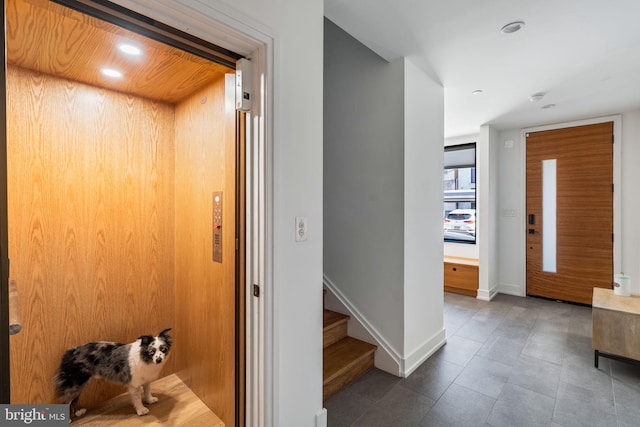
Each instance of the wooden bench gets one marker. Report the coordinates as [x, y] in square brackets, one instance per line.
[461, 275]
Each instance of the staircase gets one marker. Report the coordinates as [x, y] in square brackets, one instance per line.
[344, 358]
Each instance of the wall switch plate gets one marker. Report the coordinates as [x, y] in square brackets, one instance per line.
[301, 228]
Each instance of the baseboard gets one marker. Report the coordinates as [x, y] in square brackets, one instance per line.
[509, 289]
[321, 418]
[386, 358]
[416, 358]
[487, 295]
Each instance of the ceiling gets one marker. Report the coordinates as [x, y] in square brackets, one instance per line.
[583, 55]
[46, 37]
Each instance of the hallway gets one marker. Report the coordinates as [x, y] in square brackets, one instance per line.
[509, 362]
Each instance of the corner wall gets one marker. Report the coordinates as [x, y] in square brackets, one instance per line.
[487, 213]
[383, 128]
[423, 269]
[364, 180]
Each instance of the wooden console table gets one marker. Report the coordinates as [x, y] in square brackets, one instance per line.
[616, 326]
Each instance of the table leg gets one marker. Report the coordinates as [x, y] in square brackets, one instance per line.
[596, 358]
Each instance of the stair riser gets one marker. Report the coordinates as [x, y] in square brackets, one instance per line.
[355, 371]
[334, 334]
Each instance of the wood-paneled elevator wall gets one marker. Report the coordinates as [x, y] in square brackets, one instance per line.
[110, 229]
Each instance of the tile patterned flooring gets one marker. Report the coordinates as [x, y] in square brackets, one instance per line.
[509, 362]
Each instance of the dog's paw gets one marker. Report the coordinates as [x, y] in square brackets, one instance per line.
[151, 400]
[80, 412]
[142, 411]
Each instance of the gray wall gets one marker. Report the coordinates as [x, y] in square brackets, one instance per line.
[364, 179]
[383, 160]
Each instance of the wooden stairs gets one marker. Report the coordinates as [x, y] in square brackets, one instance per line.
[344, 358]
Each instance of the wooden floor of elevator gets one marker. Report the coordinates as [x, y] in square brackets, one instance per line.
[177, 406]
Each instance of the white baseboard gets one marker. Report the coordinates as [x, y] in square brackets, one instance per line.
[321, 418]
[487, 295]
[510, 289]
[386, 357]
[415, 359]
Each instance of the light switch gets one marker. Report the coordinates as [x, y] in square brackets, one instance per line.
[301, 228]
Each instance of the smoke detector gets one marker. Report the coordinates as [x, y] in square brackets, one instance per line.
[512, 27]
[536, 97]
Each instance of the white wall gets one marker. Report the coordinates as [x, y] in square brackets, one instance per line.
[511, 242]
[423, 163]
[487, 215]
[511, 246]
[296, 29]
[630, 199]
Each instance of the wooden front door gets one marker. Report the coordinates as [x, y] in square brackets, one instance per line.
[570, 212]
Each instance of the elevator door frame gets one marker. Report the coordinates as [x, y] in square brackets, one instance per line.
[258, 196]
[5, 373]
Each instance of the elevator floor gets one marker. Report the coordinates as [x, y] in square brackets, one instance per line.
[177, 406]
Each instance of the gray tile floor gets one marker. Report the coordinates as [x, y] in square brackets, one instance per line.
[509, 362]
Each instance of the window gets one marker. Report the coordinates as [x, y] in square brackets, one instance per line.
[460, 193]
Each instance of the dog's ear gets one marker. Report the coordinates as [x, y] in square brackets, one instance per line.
[165, 336]
[146, 339]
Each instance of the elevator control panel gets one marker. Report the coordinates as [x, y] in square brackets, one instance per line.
[217, 226]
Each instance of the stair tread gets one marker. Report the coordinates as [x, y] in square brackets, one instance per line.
[332, 318]
[341, 355]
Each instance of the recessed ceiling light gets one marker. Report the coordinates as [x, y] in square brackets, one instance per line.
[536, 97]
[477, 92]
[110, 72]
[546, 107]
[129, 49]
[512, 27]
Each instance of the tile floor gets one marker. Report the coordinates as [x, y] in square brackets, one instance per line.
[509, 362]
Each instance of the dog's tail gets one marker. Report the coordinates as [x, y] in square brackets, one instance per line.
[70, 378]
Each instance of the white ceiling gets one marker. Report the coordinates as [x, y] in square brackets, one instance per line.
[584, 55]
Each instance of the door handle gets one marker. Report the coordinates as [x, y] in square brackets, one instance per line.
[532, 231]
[532, 219]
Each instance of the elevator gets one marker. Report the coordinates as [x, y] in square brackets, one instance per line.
[124, 198]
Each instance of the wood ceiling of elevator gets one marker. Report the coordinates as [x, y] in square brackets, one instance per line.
[46, 37]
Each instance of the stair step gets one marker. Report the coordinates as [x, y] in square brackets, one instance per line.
[334, 327]
[343, 362]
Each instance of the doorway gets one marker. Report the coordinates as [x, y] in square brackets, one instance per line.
[113, 190]
[570, 215]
